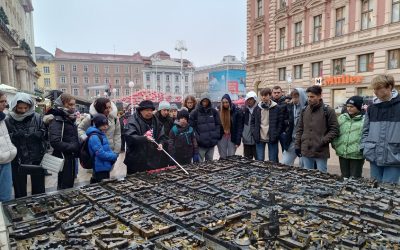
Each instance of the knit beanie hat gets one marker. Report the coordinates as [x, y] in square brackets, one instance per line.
[146, 104]
[174, 106]
[183, 114]
[164, 105]
[356, 101]
[99, 120]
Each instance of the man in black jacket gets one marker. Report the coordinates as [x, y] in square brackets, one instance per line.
[142, 154]
[207, 125]
[268, 124]
[28, 133]
[280, 99]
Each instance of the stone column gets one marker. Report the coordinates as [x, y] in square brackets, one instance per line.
[22, 77]
[4, 69]
[11, 70]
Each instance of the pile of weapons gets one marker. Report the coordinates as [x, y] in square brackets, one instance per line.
[234, 203]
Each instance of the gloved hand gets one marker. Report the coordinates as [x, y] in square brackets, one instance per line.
[298, 152]
[196, 158]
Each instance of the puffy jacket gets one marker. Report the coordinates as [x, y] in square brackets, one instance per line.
[113, 132]
[182, 142]
[104, 157]
[29, 136]
[7, 150]
[237, 122]
[316, 130]
[347, 145]
[206, 124]
[275, 122]
[142, 155]
[381, 137]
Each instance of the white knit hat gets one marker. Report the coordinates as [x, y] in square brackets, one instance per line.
[164, 105]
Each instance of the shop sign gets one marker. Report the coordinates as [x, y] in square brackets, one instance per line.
[341, 80]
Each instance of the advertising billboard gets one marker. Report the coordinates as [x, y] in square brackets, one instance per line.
[230, 81]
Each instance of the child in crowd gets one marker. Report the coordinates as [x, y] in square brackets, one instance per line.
[173, 111]
[99, 149]
[182, 140]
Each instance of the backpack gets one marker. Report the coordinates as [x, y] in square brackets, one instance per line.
[186, 134]
[85, 159]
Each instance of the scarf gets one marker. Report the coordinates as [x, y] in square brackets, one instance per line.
[25, 98]
[69, 113]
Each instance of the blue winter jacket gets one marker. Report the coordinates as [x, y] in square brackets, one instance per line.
[104, 156]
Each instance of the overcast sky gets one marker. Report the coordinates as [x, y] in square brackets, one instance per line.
[210, 28]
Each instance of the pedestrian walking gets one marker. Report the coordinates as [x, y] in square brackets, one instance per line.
[28, 134]
[231, 127]
[207, 126]
[63, 137]
[249, 144]
[381, 138]
[182, 140]
[318, 126]
[7, 153]
[268, 125]
[347, 144]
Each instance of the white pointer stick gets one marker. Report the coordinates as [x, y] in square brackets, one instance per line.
[179, 165]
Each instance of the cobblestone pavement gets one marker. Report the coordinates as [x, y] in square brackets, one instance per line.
[120, 170]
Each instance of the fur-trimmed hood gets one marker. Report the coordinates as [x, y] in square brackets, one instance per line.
[113, 114]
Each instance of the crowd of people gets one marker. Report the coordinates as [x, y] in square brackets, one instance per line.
[301, 123]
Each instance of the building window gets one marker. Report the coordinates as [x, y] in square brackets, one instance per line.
[107, 80]
[75, 79]
[176, 78]
[46, 69]
[106, 69]
[62, 67]
[340, 21]
[96, 68]
[366, 63]
[97, 92]
[126, 69]
[126, 80]
[86, 79]
[282, 34]
[317, 28]
[396, 11]
[137, 70]
[63, 90]
[176, 89]
[394, 59]
[117, 93]
[74, 68]
[47, 82]
[259, 45]
[96, 79]
[148, 77]
[148, 86]
[282, 3]
[85, 68]
[282, 74]
[259, 8]
[298, 33]
[186, 89]
[366, 15]
[127, 92]
[75, 92]
[339, 99]
[339, 66]
[186, 78]
[116, 69]
[316, 69]
[116, 81]
[158, 77]
[168, 89]
[298, 71]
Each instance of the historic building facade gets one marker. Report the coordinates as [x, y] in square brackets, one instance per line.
[46, 66]
[201, 74]
[340, 44]
[17, 53]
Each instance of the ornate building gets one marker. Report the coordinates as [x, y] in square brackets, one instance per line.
[46, 66]
[341, 44]
[17, 54]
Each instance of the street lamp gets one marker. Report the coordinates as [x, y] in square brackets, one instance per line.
[131, 85]
[181, 46]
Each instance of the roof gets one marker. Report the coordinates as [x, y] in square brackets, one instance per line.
[42, 54]
[62, 55]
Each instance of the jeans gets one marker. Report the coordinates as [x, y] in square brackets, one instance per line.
[5, 182]
[272, 151]
[322, 163]
[250, 151]
[206, 154]
[385, 173]
[289, 156]
[226, 147]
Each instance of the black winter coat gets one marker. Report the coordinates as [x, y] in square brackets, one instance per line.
[142, 155]
[182, 144]
[276, 119]
[167, 123]
[289, 124]
[207, 126]
[29, 137]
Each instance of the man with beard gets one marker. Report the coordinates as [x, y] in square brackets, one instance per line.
[142, 154]
[28, 134]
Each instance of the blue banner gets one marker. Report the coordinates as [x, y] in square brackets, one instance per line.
[230, 81]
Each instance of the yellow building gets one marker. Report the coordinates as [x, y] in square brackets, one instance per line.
[46, 66]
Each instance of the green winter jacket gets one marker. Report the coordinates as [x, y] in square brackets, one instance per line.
[347, 145]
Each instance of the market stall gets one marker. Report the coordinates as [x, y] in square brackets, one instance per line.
[227, 204]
